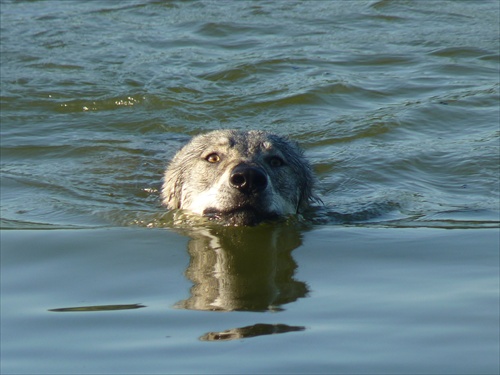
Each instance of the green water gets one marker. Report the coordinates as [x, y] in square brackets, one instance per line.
[397, 107]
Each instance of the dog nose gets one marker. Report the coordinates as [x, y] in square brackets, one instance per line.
[248, 179]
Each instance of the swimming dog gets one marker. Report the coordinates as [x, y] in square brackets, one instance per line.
[239, 177]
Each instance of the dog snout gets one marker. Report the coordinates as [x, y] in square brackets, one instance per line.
[248, 179]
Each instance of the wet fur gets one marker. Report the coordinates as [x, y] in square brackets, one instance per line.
[196, 183]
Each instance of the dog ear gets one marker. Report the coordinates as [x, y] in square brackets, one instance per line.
[306, 190]
[307, 184]
[171, 192]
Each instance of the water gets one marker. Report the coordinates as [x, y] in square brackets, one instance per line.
[395, 104]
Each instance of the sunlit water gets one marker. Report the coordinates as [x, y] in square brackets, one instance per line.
[396, 105]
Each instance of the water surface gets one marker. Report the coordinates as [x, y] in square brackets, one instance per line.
[396, 106]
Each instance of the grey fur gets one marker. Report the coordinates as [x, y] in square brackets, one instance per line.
[202, 177]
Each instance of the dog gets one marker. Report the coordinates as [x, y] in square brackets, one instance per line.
[239, 177]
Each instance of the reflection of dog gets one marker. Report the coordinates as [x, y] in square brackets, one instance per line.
[250, 331]
[234, 268]
[239, 177]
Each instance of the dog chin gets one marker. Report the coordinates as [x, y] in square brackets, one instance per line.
[246, 215]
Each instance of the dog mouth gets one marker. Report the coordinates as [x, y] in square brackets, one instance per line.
[244, 215]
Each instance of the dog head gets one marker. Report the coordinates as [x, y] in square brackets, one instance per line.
[239, 177]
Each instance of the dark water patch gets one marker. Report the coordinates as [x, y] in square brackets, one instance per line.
[98, 308]
[10, 224]
[55, 66]
[457, 52]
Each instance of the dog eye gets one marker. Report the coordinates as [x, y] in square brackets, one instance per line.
[275, 161]
[213, 158]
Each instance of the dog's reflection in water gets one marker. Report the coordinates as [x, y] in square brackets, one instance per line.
[243, 269]
[250, 331]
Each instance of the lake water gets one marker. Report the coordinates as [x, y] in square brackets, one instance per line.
[397, 107]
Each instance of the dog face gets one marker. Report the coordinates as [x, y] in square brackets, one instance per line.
[238, 177]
